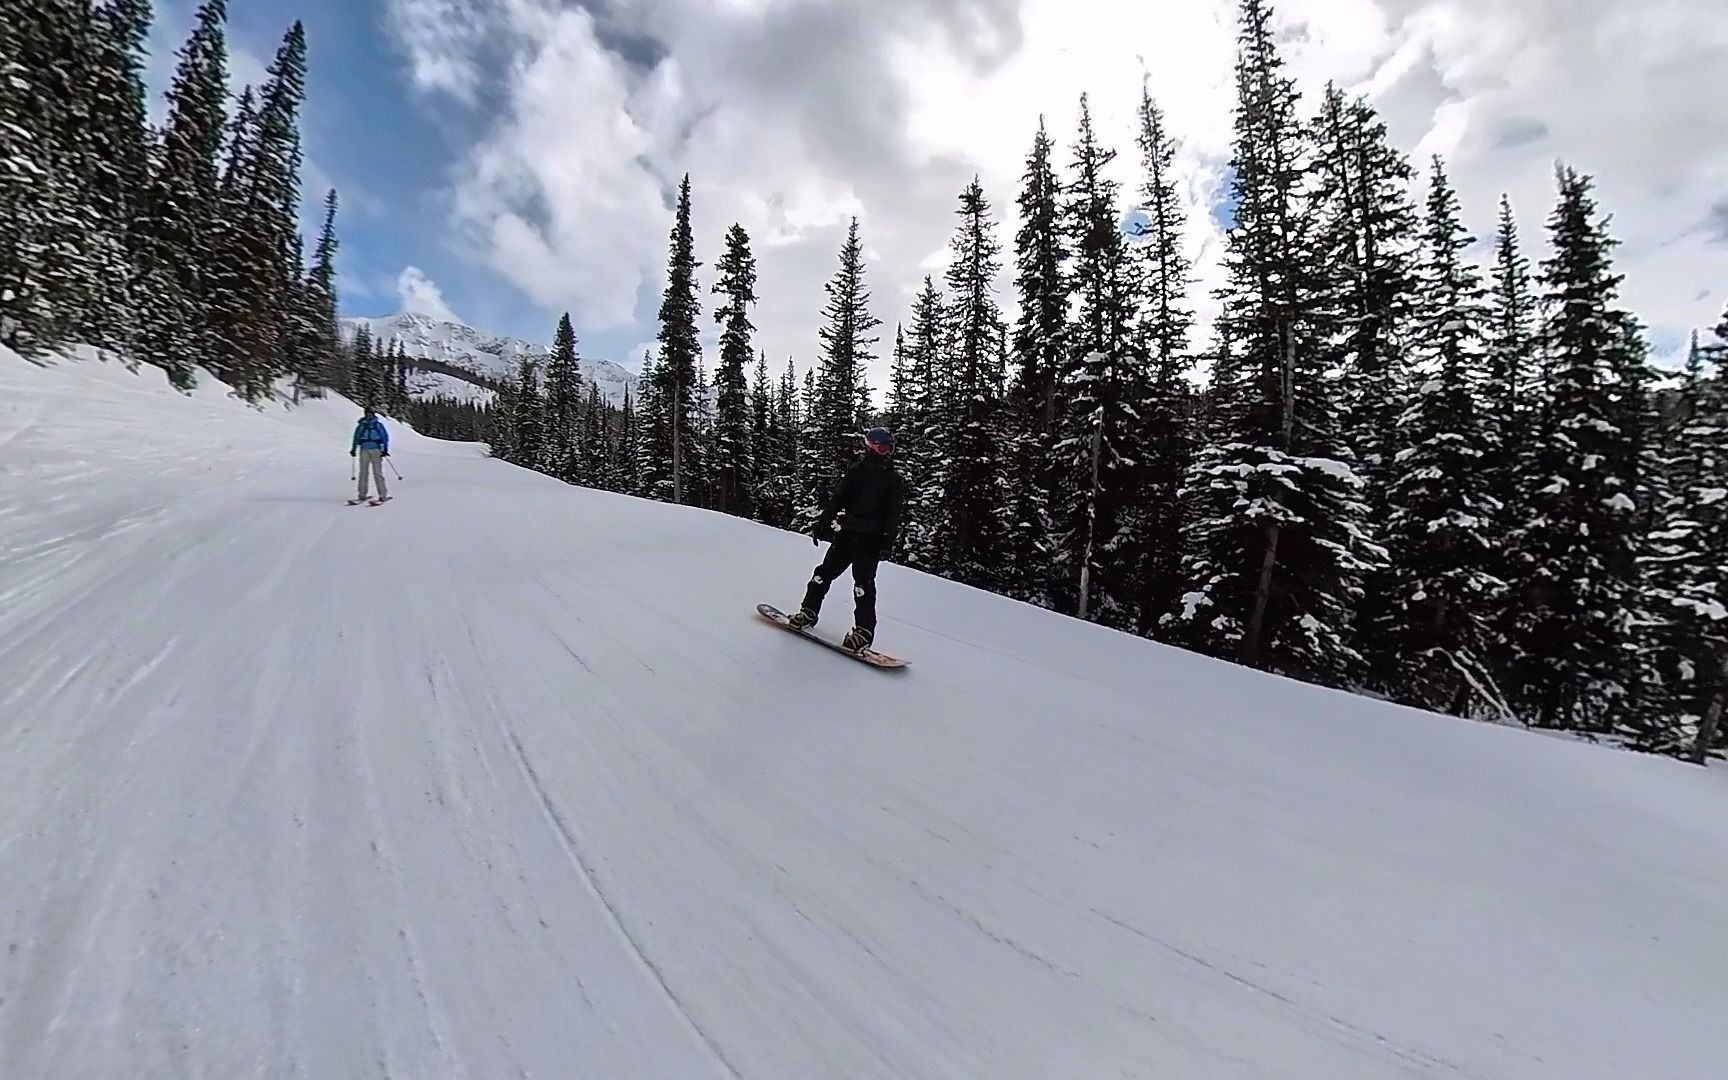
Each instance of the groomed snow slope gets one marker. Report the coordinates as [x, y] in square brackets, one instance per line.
[504, 779]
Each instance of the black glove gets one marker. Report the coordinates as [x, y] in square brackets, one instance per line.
[385, 454]
[824, 531]
[352, 453]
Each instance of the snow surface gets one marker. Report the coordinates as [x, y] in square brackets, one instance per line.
[505, 779]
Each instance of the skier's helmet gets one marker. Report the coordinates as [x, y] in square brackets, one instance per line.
[880, 439]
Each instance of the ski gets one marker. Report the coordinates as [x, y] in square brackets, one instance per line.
[864, 656]
[380, 502]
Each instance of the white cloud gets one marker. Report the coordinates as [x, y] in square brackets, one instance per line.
[421, 295]
[791, 117]
[442, 38]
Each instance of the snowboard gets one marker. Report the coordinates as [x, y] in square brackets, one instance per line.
[866, 656]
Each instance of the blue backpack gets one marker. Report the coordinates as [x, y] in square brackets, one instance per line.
[370, 435]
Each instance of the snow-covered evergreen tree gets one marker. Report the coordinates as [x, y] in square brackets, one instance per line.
[593, 459]
[733, 445]
[778, 494]
[314, 341]
[182, 199]
[564, 404]
[1576, 552]
[1277, 540]
[363, 375]
[626, 451]
[60, 258]
[672, 422]
[1040, 347]
[1103, 388]
[835, 419]
[1165, 321]
[1364, 254]
[118, 160]
[1432, 647]
[919, 446]
[529, 420]
[1513, 395]
[654, 432]
[967, 540]
[761, 438]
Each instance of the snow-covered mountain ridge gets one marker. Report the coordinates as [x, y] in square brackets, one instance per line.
[489, 356]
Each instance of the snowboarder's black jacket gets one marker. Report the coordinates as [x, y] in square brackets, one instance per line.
[868, 499]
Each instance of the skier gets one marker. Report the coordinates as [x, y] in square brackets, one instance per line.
[372, 445]
[867, 501]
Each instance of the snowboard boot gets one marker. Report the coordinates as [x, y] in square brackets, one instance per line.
[857, 639]
[801, 619]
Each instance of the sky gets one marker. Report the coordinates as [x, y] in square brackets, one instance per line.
[503, 161]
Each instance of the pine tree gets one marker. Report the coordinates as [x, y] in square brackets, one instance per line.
[921, 445]
[1365, 249]
[1577, 550]
[1040, 346]
[255, 256]
[733, 458]
[24, 173]
[1432, 646]
[1512, 394]
[1104, 387]
[970, 534]
[672, 420]
[626, 465]
[530, 416]
[1277, 546]
[175, 233]
[119, 164]
[1166, 321]
[654, 432]
[1041, 332]
[403, 366]
[596, 445]
[364, 377]
[778, 495]
[835, 420]
[761, 438]
[815, 473]
[234, 333]
[1686, 568]
[315, 340]
[564, 399]
[48, 288]
[700, 485]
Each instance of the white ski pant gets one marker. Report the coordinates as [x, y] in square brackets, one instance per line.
[372, 464]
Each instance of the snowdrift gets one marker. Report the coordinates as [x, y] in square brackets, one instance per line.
[505, 778]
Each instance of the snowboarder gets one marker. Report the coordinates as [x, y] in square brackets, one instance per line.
[867, 502]
[372, 445]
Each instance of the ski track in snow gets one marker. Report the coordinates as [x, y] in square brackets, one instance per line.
[508, 780]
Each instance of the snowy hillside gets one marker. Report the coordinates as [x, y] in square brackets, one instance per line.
[503, 778]
[485, 354]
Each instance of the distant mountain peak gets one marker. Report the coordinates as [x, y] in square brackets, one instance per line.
[464, 350]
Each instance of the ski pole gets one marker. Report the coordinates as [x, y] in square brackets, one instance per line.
[353, 468]
[393, 467]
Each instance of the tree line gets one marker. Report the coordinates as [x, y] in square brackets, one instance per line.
[1458, 484]
[1451, 482]
[178, 244]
